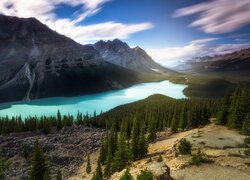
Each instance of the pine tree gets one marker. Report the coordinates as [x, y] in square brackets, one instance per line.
[39, 164]
[107, 170]
[59, 175]
[134, 139]
[122, 154]
[246, 125]
[182, 122]
[174, 125]
[103, 151]
[152, 129]
[46, 176]
[98, 173]
[223, 113]
[59, 120]
[88, 167]
[142, 143]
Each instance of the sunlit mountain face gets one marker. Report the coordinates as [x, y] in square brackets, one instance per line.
[170, 31]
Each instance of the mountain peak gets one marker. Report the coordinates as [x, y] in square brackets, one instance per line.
[119, 53]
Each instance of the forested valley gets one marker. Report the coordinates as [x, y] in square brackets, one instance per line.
[133, 126]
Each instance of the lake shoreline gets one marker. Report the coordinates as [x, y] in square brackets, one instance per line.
[99, 102]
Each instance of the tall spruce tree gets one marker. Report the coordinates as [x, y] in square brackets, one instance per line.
[122, 154]
[107, 170]
[246, 125]
[59, 175]
[103, 151]
[223, 113]
[142, 142]
[39, 164]
[59, 120]
[183, 120]
[88, 167]
[98, 173]
[152, 128]
[134, 139]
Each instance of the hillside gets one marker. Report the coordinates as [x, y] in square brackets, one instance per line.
[221, 145]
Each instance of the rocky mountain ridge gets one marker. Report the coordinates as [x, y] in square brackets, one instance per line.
[36, 62]
[119, 53]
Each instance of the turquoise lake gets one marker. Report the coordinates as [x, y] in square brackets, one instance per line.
[90, 103]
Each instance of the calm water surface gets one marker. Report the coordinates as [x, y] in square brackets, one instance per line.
[89, 103]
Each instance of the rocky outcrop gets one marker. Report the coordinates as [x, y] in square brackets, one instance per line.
[119, 53]
[160, 170]
[36, 62]
[65, 149]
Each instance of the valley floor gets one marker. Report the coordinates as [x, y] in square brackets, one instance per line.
[220, 144]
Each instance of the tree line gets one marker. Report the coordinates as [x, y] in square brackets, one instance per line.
[158, 112]
[235, 109]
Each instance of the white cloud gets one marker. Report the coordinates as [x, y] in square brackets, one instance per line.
[43, 10]
[218, 16]
[170, 56]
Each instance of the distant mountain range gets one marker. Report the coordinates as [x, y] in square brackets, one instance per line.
[235, 65]
[119, 53]
[36, 62]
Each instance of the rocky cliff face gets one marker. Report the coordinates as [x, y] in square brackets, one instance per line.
[119, 53]
[37, 62]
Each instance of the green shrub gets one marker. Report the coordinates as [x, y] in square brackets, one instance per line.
[160, 159]
[145, 175]
[247, 142]
[247, 152]
[184, 147]
[199, 158]
[126, 176]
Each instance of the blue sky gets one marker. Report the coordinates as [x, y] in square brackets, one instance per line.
[169, 30]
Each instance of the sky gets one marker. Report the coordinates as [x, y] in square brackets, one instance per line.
[169, 30]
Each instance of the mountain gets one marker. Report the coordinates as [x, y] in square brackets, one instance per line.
[119, 53]
[234, 65]
[36, 62]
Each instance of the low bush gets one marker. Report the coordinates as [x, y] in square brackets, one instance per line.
[247, 152]
[199, 158]
[247, 142]
[184, 147]
[160, 159]
[126, 175]
[145, 175]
